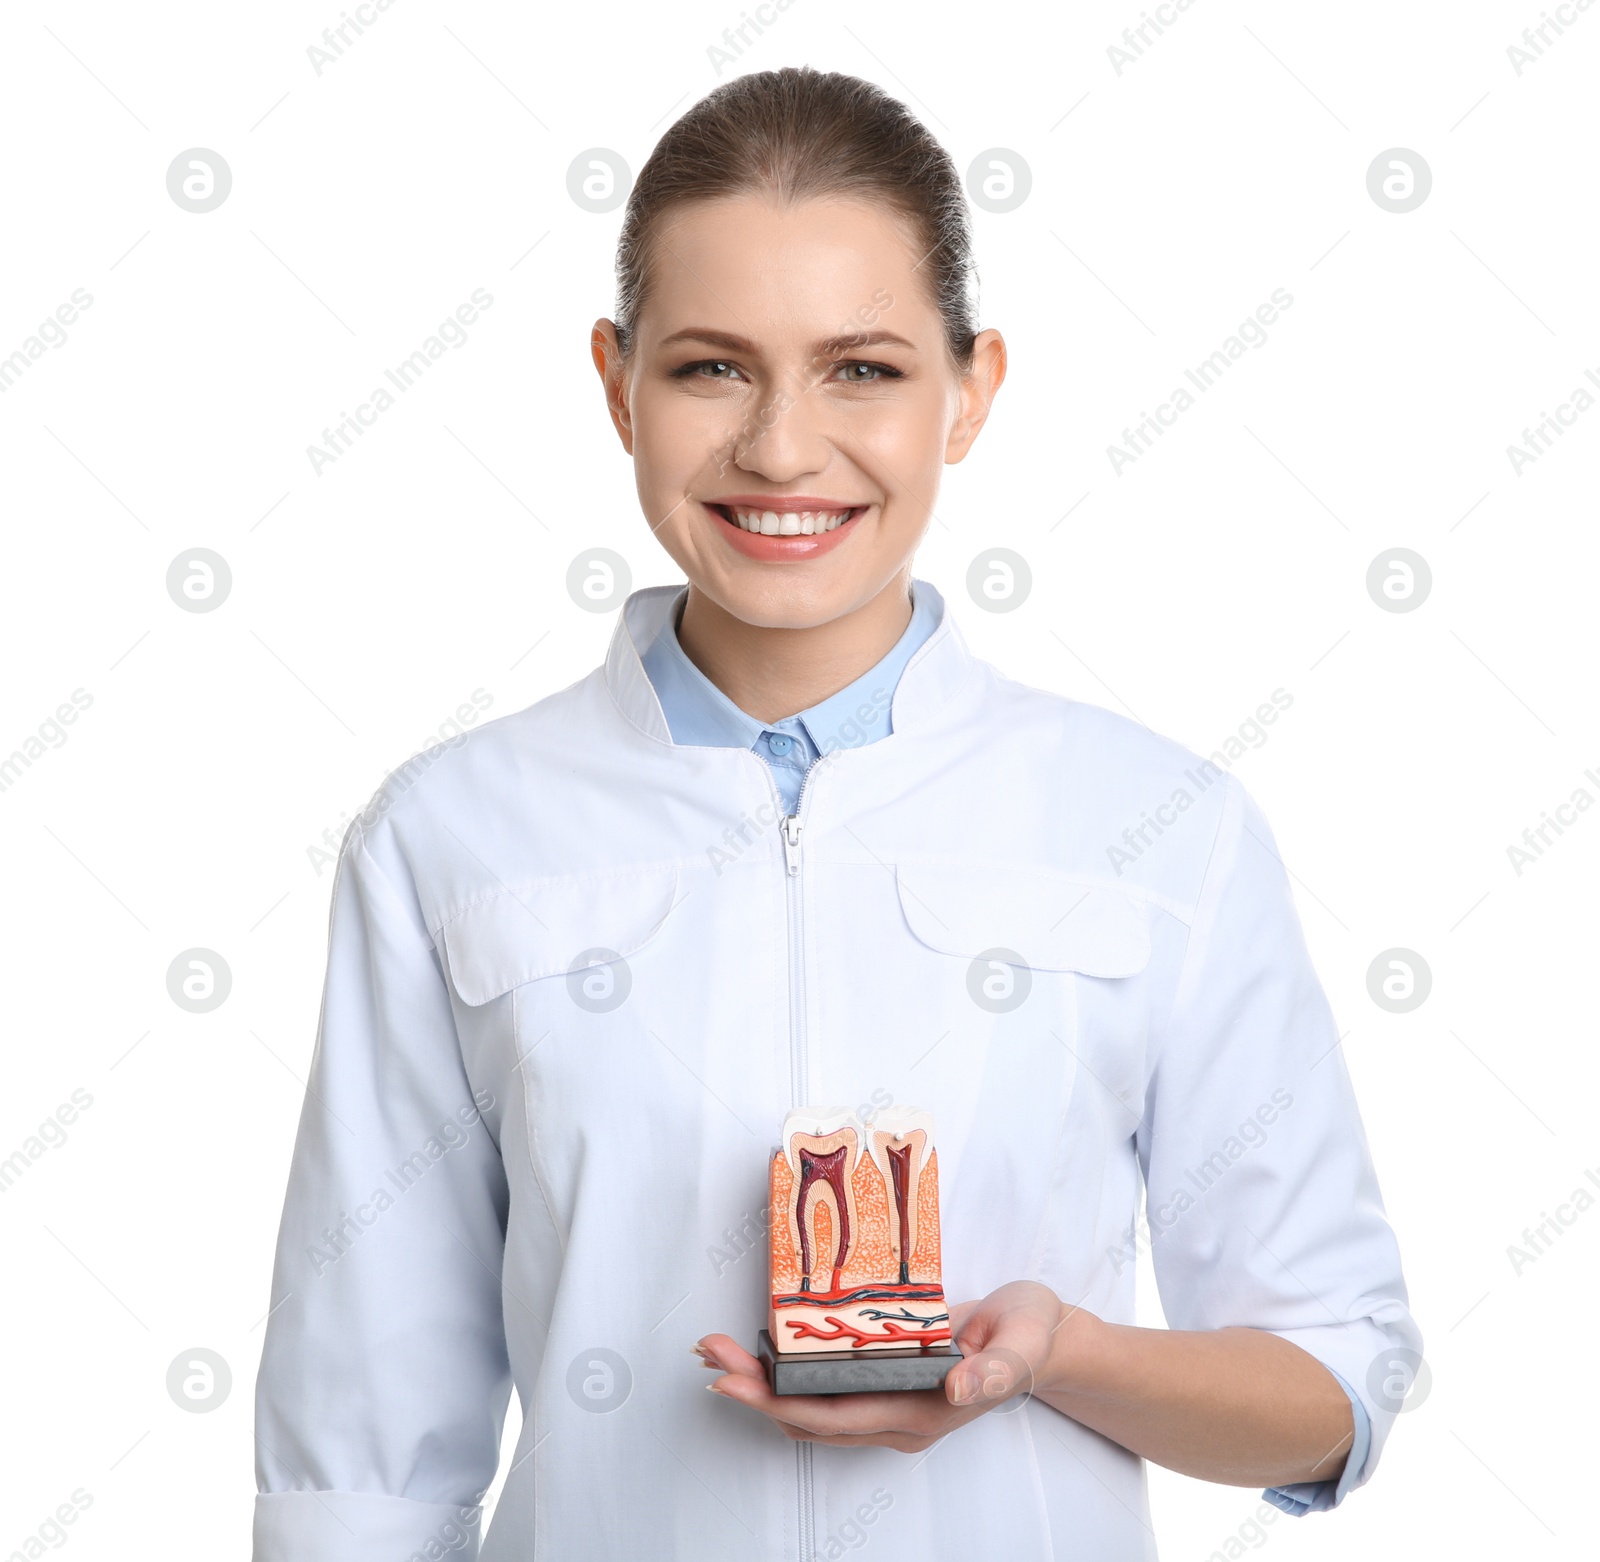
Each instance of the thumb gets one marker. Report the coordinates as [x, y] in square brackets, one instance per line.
[988, 1373]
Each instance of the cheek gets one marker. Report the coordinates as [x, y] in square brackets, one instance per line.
[902, 444]
[678, 439]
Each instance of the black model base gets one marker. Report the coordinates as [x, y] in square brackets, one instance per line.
[851, 1372]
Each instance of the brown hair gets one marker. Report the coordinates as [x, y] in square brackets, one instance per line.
[800, 133]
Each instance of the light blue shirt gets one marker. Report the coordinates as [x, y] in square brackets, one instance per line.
[699, 713]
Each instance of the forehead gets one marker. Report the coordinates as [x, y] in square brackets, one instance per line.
[751, 264]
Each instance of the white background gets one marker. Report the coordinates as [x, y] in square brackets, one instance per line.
[430, 561]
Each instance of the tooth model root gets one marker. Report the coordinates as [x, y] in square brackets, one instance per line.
[854, 1251]
[819, 1176]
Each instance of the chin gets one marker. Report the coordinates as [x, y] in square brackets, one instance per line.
[784, 602]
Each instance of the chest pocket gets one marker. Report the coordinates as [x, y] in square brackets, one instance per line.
[555, 927]
[1044, 921]
[587, 962]
[1031, 980]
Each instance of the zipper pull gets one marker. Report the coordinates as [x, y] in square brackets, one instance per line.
[790, 825]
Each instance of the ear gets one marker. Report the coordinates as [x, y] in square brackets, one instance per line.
[607, 355]
[977, 393]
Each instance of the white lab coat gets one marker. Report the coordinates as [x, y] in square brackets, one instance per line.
[575, 981]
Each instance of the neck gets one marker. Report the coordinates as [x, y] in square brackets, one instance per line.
[773, 673]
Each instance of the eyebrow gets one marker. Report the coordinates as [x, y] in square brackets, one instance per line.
[851, 342]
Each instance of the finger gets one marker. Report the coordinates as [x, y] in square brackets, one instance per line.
[959, 1314]
[982, 1325]
[722, 1350]
[921, 1413]
[745, 1380]
[818, 1421]
[901, 1442]
[985, 1377]
[1019, 1304]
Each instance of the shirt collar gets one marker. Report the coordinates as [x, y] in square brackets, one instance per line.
[929, 662]
[699, 713]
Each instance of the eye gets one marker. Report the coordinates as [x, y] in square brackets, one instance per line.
[857, 373]
[722, 370]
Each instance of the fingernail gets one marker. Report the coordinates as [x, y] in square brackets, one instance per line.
[964, 1389]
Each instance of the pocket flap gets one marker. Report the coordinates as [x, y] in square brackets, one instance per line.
[1053, 922]
[539, 929]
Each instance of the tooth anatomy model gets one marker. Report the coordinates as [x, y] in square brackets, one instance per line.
[855, 1244]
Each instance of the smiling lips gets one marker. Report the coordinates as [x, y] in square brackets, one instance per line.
[799, 526]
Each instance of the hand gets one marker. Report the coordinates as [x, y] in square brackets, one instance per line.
[1005, 1341]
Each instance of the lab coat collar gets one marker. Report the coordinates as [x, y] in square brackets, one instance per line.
[933, 675]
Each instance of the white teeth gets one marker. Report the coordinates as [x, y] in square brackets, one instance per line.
[790, 523]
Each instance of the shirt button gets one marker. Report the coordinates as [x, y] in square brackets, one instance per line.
[778, 743]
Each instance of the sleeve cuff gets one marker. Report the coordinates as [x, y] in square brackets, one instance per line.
[1317, 1496]
[344, 1526]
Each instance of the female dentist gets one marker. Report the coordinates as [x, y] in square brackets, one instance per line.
[793, 844]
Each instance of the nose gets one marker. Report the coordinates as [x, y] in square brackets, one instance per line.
[788, 435]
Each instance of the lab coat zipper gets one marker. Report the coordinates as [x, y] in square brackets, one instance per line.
[790, 827]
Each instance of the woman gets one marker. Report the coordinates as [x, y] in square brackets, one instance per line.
[793, 844]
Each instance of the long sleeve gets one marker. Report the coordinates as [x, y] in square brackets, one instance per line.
[384, 1377]
[1263, 1205]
